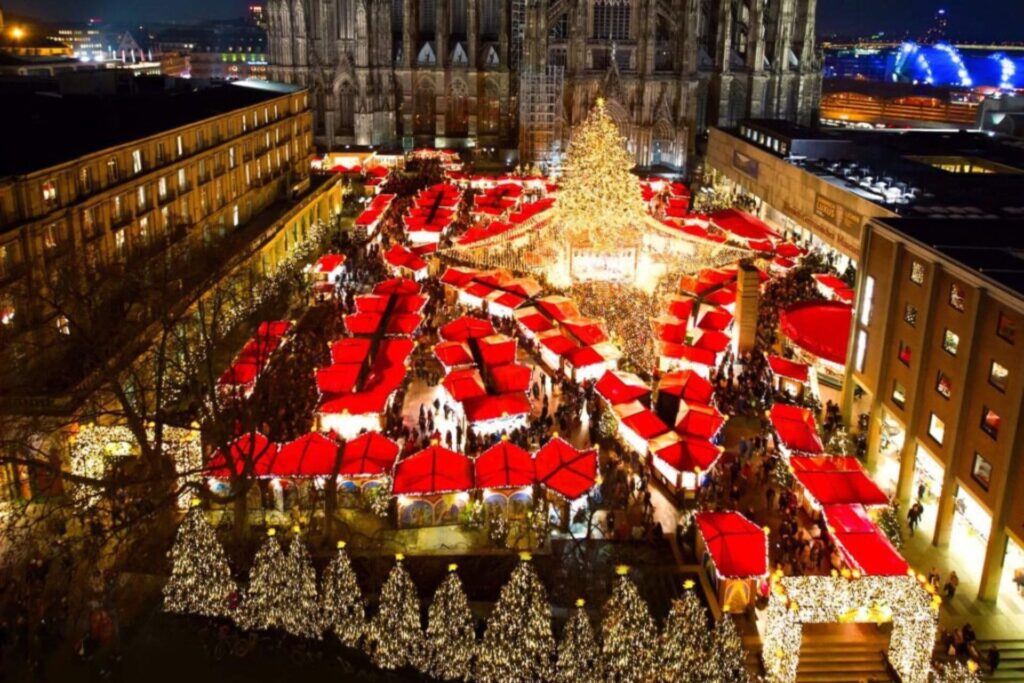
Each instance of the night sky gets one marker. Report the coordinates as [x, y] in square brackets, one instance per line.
[970, 19]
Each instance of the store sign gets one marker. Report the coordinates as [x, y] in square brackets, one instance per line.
[827, 209]
[745, 163]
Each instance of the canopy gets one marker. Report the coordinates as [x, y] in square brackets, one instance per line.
[397, 285]
[565, 470]
[621, 387]
[465, 328]
[452, 354]
[310, 455]
[645, 424]
[788, 368]
[819, 327]
[435, 469]
[251, 452]
[559, 307]
[687, 385]
[742, 224]
[796, 428]
[738, 547]
[368, 455]
[689, 454]
[864, 546]
[486, 408]
[464, 384]
[504, 465]
[510, 378]
[697, 420]
[833, 480]
[588, 331]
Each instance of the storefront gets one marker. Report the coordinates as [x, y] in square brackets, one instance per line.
[972, 523]
[891, 436]
[1013, 568]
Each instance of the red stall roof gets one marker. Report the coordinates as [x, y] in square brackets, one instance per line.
[716, 319]
[645, 424]
[789, 250]
[466, 327]
[464, 384]
[565, 470]
[689, 454]
[337, 379]
[862, 544]
[497, 349]
[669, 328]
[737, 546]
[743, 224]
[796, 428]
[588, 331]
[559, 307]
[510, 378]
[435, 469]
[698, 420]
[397, 285]
[368, 455]
[310, 455]
[687, 385]
[252, 451]
[680, 306]
[788, 368]
[328, 262]
[452, 354]
[834, 480]
[485, 408]
[583, 357]
[504, 465]
[819, 327]
[350, 350]
[621, 387]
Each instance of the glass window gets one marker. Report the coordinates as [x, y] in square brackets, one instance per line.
[862, 349]
[112, 170]
[917, 272]
[137, 161]
[936, 428]
[998, 376]
[944, 385]
[981, 471]
[950, 342]
[140, 195]
[899, 395]
[910, 314]
[904, 354]
[865, 306]
[1006, 329]
[182, 180]
[63, 326]
[180, 144]
[49, 193]
[989, 422]
[957, 297]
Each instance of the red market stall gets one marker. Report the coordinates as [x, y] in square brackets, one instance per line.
[310, 455]
[432, 487]
[250, 454]
[789, 377]
[617, 387]
[679, 460]
[836, 480]
[504, 473]
[466, 328]
[820, 328]
[796, 428]
[862, 544]
[734, 551]
[685, 385]
[742, 225]
[564, 470]
[405, 263]
[368, 455]
[698, 420]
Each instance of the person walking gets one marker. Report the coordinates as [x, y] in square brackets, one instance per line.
[951, 585]
[994, 657]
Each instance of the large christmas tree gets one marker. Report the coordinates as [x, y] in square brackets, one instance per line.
[518, 643]
[599, 202]
[265, 602]
[302, 610]
[684, 651]
[395, 636]
[629, 635]
[579, 657]
[728, 653]
[343, 611]
[451, 638]
[200, 581]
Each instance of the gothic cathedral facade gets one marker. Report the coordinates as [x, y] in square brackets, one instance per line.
[507, 76]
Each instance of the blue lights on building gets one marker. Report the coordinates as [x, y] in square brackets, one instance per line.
[940, 64]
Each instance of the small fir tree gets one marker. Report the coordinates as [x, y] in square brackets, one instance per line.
[395, 636]
[200, 581]
[889, 523]
[956, 672]
[728, 653]
[684, 650]
[451, 638]
[579, 657]
[265, 602]
[628, 634]
[342, 607]
[301, 615]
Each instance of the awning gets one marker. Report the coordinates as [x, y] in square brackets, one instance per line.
[504, 465]
[435, 469]
[787, 368]
[822, 328]
[738, 547]
[796, 428]
[621, 387]
[310, 455]
[743, 225]
[250, 453]
[487, 408]
[368, 455]
[686, 385]
[697, 420]
[465, 328]
[565, 470]
[836, 480]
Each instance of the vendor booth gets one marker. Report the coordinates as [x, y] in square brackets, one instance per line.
[432, 487]
[734, 552]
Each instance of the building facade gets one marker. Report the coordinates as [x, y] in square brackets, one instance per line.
[521, 74]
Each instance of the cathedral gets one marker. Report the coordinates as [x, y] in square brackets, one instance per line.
[513, 78]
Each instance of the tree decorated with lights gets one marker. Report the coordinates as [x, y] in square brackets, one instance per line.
[200, 581]
[265, 602]
[301, 616]
[685, 645]
[518, 643]
[395, 636]
[342, 605]
[628, 633]
[728, 654]
[957, 672]
[579, 657]
[599, 201]
[451, 638]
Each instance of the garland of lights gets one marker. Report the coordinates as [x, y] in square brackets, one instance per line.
[728, 653]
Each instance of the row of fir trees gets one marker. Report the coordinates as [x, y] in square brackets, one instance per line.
[518, 643]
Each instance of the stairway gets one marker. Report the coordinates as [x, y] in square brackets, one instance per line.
[843, 653]
[1011, 666]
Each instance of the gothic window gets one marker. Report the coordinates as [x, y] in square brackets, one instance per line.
[611, 20]
[397, 16]
[704, 26]
[490, 109]
[347, 19]
[428, 18]
[346, 109]
[458, 18]
[490, 19]
[457, 119]
[424, 121]
[559, 28]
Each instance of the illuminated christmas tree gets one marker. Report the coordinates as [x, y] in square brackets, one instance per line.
[579, 657]
[301, 615]
[728, 654]
[200, 581]
[599, 202]
[395, 637]
[265, 602]
[685, 646]
[518, 643]
[342, 607]
[628, 634]
[451, 638]
[956, 672]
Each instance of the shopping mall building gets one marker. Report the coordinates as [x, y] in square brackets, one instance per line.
[933, 221]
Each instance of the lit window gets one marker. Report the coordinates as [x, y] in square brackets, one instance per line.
[50, 236]
[910, 314]
[917, 272]
[234, 216]
[63, 326]
[1006, 329]
[950, 342]
[182, 180]
[119, 243]
[936, 428]
[144, 230]
[899, 395]
[998, 376]
[989, 422]
[904, 353]
[180, 144]
[49, 193]
[6, 309]
[231, 157]
[162, 188]
[112, 169]
[140, 195]
[137, 161]
[944, 385]
[865, 306]
[862, 349]
[981, 471]
[957, 297]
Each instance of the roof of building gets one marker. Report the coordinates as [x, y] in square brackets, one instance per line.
[48, 128]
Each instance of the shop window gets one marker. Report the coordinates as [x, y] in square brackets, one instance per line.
[866, 300]
[899, 395]
[950, 342]
[957, 297]
[862, 350]
[990, 422]
[944, 385]
[998, 376]
[936, 428]
[1006, 329]
[910, 314]
[905, 354]
[981, 471]
[917, 272]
